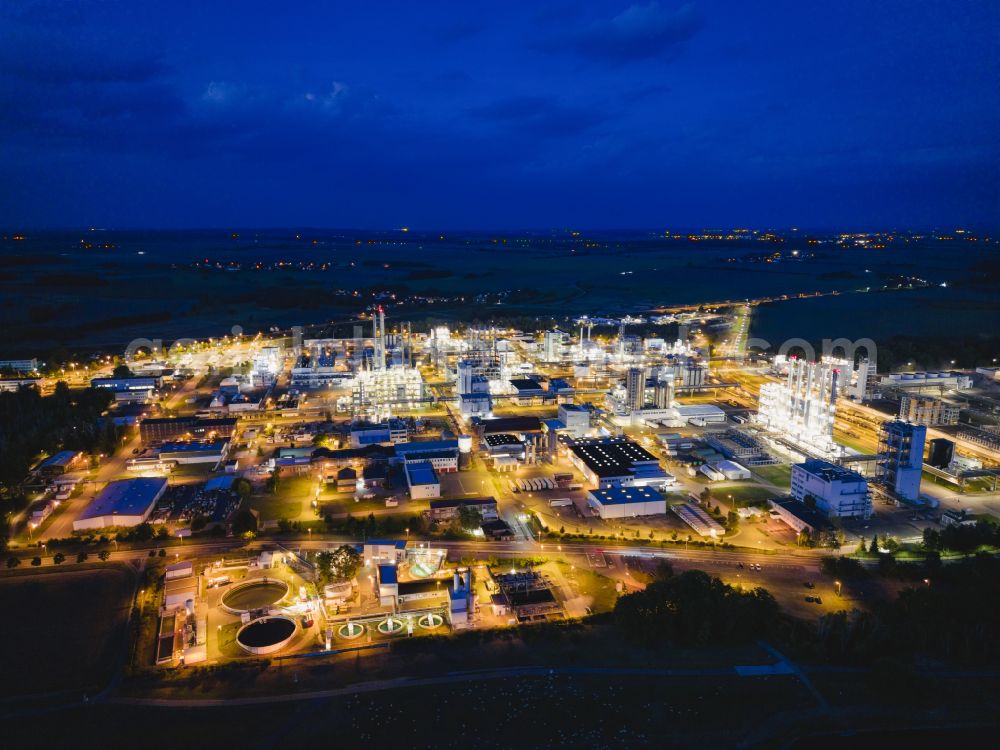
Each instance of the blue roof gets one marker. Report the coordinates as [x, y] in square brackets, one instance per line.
[223, 482]
[425, 446]
[421, 473]
[59, 459]
[626, 495]
[387, 574]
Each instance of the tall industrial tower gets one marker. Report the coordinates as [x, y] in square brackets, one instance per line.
[802, 408]
[635, 388]
[901, 458]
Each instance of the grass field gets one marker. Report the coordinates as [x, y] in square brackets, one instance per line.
[292, 498]
[62, 631]
[743, 494]
[778, 474]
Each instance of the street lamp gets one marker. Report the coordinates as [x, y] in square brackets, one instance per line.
[837, 583]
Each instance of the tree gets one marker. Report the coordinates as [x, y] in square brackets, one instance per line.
[274, 481]
[162, 553]
[469, 518]
[143, 532]
[244, 521]
[862, 547]
[873, 549]
[663, 570]
[104, 555]
[13, 562]
[340, 565]
[59, 558]
[242, 488]
[36, 561]
[122, 371]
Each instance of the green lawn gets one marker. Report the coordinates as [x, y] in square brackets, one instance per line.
[592, 584]
[744, 494]
[290, 501]
[778, 474]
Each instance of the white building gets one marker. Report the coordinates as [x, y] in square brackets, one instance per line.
[835, 490]
[422, 481]
[801, 410]
[923, 381]
[127, 502]
[627, 502]
[576, 418]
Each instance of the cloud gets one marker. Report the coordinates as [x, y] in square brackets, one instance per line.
[640, 32]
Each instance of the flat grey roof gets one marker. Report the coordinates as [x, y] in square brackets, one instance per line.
[126, 497]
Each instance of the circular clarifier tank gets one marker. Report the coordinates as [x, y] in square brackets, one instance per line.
[266, 635]
[430, 621]
[390, 626]
[351, 630]
[256, 594]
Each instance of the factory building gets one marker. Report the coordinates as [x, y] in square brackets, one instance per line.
[901, 458]
[171, 428]
[422, 480]
[553, 345]
[575, 418]
[120, 385]
[59, 463]
[832, 489]
[192, 451]
[928, 410]
[19, 366]
[617, 462]
[926, 382]
[799, 516]
[442, 454]
[635, 388]
[626, 502]
[390, 432]
[801, 410]
[127, 502]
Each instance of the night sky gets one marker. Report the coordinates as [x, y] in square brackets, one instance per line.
[859, 114]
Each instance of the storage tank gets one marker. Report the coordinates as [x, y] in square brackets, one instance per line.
[464, 452]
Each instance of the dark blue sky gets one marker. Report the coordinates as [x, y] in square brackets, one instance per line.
[860, 113]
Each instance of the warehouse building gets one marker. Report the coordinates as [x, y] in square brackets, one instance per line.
[799, 516]
[171, 428]
[442, 454]
[613, 462]
[422, 480]
[127, 502]
[60, 463]
[193, 451]
[627, 502]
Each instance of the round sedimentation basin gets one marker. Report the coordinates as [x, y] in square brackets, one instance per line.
[390, 626]
[430, 621]
[266, 635]
[351, 630]
[256, 594]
